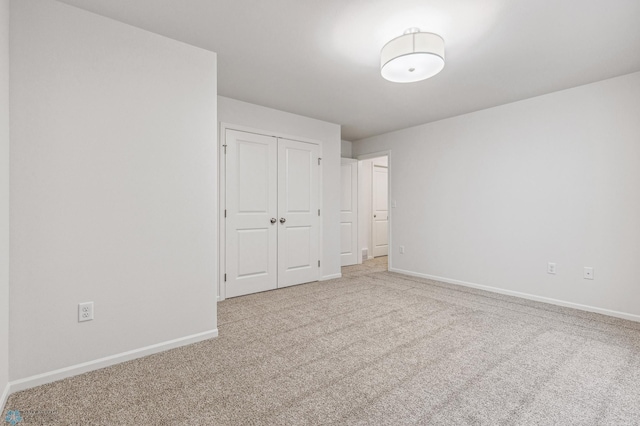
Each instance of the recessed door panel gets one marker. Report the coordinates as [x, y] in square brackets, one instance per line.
[298, 165]
[298, 247]
[380, 229]
[252, 169]
[345, 238]
[253, 252]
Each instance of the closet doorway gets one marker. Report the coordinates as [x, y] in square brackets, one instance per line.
[271, 212]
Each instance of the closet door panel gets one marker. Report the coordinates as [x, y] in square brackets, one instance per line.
[251, 180]
[298, 173]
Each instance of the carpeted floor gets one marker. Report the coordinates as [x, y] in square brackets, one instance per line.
[371, 348]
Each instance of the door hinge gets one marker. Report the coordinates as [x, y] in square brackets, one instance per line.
[319, 160]
[318, 263]
[318, 212]
[225, 212]
[225, 278]
[225, 148]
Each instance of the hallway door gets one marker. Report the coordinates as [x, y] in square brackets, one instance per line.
[380, 220]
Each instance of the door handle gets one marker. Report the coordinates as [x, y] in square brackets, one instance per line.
[375, 215]
[273, 220]
[283, 220]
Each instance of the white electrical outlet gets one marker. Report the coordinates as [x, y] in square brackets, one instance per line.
[85, 311]
[401, 249]
[551, 268]
[588, 273]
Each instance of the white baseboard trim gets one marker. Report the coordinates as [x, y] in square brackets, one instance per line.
[331, 277]
[603, 311]
[4, 397]
[74, 370]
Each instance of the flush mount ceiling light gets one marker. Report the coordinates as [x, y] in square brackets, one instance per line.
[413, 56]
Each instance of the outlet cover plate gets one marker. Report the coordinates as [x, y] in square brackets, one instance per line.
[588, 273]
[85, 311]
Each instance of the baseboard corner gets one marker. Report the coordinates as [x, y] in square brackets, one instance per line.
[4, 397]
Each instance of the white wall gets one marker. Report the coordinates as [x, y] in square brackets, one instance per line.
[490, 197]
[345, 149]
[113, 186]
[232, 111]
[4, 200]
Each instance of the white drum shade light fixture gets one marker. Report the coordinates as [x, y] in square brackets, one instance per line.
[413, 56]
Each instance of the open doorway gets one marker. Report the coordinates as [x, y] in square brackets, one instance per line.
[373, 211]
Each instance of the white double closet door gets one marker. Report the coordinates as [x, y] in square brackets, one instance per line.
[272, 208]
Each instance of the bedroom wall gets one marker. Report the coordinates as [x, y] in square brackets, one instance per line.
[236, 112]
[345, 149]
[4, 200]
[113, 185]
[489, 198]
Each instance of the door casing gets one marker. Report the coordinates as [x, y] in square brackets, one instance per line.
[388, 154]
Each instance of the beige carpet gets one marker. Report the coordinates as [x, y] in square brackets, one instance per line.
[372, 348]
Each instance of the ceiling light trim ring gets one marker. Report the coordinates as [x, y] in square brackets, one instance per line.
[413, 53]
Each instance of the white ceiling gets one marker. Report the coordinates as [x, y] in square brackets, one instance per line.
[321, 58]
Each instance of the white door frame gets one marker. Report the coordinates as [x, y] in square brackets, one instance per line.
[369, 156]
[222, 203]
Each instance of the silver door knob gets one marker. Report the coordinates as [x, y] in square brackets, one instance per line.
[283, 220]
[274, 220]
